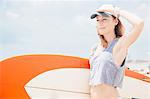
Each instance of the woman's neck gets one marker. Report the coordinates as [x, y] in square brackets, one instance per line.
[109, 37]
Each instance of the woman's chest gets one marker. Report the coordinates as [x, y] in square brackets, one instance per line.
[100, 56]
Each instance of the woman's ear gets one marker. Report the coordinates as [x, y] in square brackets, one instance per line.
[116, 21]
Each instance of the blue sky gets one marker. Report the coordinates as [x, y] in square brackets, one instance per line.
[62, 27]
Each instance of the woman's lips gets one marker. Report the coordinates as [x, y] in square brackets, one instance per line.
[101, 27]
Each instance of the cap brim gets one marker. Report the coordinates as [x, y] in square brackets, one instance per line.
[93, 16]
[104, 14]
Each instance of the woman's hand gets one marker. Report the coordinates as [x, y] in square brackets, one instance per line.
[109, 8]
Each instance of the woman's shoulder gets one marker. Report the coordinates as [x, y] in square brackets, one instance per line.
[97, 47]
[94, 46]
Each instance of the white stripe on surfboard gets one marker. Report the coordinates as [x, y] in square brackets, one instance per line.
[57, 90]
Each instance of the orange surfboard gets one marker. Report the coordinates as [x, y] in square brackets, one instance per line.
[17, 72]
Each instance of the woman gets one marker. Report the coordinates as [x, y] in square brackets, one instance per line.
[108, 56]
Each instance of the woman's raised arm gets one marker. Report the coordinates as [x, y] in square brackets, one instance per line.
[128, 38]
[136, 30]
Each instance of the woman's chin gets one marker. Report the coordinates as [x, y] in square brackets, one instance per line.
[101, 32]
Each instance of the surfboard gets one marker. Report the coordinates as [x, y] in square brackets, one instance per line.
[59, 77]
